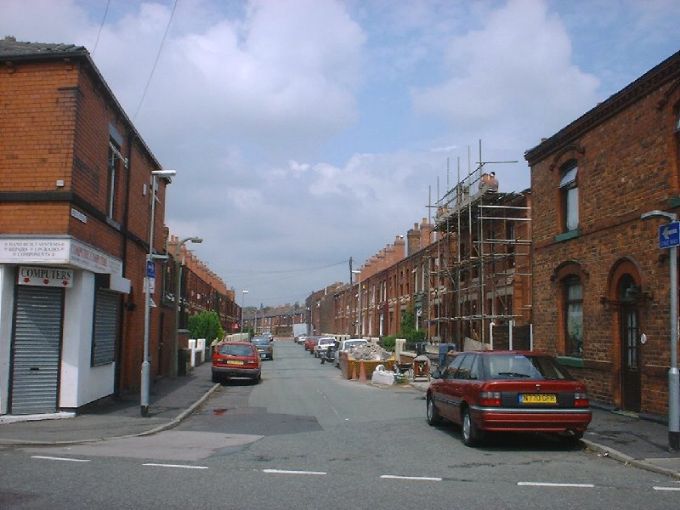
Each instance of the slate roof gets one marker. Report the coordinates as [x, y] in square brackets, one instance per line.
[11, 48]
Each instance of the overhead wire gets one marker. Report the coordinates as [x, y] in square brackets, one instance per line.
[101, 26]
[155, 63]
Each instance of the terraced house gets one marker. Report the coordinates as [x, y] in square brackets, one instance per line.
[75, 195]
[601, 281]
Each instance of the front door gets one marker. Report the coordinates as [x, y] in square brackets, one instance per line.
[630, 344]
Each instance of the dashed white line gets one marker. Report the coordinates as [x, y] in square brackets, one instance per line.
[288, 472]
[549, 484]
[417, 478]
[180, 466]
[667, 489]
[65, 459]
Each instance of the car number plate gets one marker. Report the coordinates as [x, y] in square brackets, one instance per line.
[538, 398]
[263, 355]
[234, 362]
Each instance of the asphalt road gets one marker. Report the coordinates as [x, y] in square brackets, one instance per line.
[306, 438]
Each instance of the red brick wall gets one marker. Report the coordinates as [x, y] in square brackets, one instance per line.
[54, 120]
[627, 165]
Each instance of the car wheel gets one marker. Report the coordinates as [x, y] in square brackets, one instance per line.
[433, 416]
[470, 434]
[216, 378]
[573, 437]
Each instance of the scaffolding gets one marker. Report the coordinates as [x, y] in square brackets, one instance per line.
[483, 268]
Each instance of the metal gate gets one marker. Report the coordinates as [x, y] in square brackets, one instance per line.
[36, 350]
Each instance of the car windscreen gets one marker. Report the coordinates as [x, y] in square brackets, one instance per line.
[349, 345]
[519, 366]
[260, 341]
[235, 350]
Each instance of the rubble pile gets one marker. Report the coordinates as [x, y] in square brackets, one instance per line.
[369, 352]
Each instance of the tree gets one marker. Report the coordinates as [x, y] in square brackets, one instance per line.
[206, 325]
[408, 328]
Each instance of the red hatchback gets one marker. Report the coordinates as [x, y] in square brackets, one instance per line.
[310, 343]
[235, 359]
[510, 391]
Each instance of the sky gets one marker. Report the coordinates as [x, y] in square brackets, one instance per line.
[306, 132]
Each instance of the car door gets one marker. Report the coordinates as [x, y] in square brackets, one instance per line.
[459, 385]
[443, 394]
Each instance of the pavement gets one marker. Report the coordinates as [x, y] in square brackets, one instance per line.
[624, 437]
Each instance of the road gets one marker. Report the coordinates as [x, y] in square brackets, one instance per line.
[305, 438]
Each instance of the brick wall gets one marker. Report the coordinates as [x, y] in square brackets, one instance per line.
[627, 165]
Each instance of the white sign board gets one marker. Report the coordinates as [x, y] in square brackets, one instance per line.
[45, 276]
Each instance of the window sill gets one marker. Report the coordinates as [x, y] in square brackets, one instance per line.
[674, 202]
[565, 236]
[570, 361]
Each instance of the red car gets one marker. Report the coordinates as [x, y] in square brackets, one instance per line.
[235, 359]
[509, 391]
[310, 343]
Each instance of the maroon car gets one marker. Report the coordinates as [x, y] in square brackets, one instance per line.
[510, 391]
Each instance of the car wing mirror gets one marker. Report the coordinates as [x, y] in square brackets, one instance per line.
[436, 374]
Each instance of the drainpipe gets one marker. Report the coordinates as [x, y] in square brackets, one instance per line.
[124, 242]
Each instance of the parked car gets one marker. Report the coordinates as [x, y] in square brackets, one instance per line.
[310, 343]
[264, 347]
[235, 359]
[509, 391]
[346, 346]
[322, 345]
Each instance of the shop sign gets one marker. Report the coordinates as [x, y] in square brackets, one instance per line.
[45, 276]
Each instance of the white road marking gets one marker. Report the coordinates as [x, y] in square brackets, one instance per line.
[181, 466]
[66, 459]
[419, 478]
[548, 484]
[286, 472]
[667, 489]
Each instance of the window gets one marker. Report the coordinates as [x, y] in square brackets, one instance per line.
[451, 370]
[569, 196]
[113, 166]
[573, 316]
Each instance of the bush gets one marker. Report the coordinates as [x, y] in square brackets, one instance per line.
[206, 325]
[388, 342]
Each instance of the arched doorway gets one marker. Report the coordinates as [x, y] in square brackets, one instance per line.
[628, 294]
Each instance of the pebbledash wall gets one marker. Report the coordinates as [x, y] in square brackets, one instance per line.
[75, 198]
[623, 156]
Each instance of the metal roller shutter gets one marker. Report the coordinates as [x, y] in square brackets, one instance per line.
[36, 350]
[105, 327]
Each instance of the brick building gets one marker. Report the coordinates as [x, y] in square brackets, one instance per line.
[75, 199]
[601, 283]
[477, 251]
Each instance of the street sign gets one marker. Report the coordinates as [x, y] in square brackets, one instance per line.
[669, 235]
[150, 269]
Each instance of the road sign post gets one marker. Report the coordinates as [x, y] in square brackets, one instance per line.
[669, 238]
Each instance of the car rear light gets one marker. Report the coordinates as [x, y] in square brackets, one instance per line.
[581, 399]
[490, 398]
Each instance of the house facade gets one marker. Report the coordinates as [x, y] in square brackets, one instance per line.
[75, 195]
[600, 279]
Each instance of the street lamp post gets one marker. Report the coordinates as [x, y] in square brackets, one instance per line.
[178, 295]
[243, 304]
[151, 257]
[673, 375]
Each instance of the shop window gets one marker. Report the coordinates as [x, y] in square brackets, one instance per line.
[573, 316]
[569, 196]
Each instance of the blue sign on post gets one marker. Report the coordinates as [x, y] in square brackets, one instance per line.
[150, 269]
[669, 235]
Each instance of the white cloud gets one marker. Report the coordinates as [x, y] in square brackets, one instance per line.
[512, 77]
